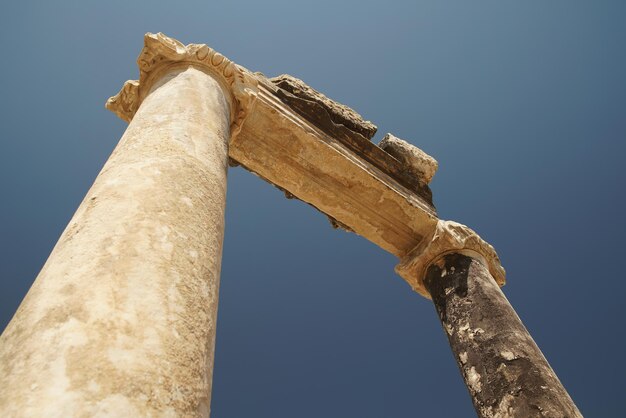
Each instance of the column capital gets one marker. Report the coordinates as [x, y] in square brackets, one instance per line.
[448, 237]
[160, 52]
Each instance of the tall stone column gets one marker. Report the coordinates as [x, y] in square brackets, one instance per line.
[504, 370]
[121, 320]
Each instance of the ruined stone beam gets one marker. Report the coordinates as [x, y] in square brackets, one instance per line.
[320, 152]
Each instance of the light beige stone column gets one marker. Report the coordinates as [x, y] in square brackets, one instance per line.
[121, 320]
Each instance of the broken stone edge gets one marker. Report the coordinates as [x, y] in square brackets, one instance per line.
[448, 237]
[339, 113]
[421, 165]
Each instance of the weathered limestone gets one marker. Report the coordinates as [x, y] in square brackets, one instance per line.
[121, 320]
[504, 370]
[323, 109]
[307, 145]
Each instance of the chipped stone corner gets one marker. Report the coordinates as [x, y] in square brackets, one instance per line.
[420, 164]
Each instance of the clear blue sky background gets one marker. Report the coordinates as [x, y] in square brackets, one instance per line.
[523, 103]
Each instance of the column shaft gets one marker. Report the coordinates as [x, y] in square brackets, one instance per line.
[504, 370]
[121, 319]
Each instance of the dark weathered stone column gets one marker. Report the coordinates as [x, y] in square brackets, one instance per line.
[504, 370]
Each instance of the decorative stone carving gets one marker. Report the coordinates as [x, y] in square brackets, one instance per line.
[416, 161]
[448, 237]
[161, 51]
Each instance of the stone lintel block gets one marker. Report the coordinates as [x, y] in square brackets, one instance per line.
[294, 144]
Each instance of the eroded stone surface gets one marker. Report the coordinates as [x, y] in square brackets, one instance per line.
[344, 126]
[121, 320]
[285, 149]
[504, 370]
[338, 113]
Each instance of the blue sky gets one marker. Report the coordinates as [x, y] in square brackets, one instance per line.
[522, 103]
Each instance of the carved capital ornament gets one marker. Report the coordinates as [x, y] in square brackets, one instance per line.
[161, 52]
[448, 237]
